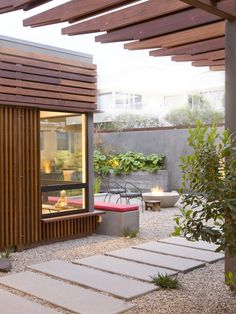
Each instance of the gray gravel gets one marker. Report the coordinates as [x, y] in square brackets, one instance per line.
[202, 291]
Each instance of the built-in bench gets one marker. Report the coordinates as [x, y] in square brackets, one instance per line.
[117, 216]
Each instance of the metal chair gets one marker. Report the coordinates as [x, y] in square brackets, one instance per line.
[112, 188]
[131, 191]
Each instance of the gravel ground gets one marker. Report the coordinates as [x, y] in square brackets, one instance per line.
[202, 291]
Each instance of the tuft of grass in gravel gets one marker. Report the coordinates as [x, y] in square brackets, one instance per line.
[127, 233]
[166, 281]
[7, 253]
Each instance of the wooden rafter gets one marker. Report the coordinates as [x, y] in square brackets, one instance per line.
[206, 63]
[189, 30]
[217, 68]
[180, 38]
[160, 26]
[193, 48]
[128, 16]
[12, 5]
[224, 9]
[74, 10]
[213, 55]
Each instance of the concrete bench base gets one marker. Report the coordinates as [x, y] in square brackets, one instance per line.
[113, 223]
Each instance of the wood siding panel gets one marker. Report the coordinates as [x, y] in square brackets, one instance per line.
[20, 210]
[45, 82]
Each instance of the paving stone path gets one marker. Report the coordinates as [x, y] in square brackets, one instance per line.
[102, 284]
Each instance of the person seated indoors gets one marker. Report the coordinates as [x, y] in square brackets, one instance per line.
[63, 200]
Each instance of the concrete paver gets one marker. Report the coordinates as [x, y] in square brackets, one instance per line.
[123, 267]
[65, 295]
[156, 259]
[202, 245]
[103, 281]
[186, 252]
[14, 304]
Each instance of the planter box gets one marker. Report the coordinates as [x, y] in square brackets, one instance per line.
[143, 180]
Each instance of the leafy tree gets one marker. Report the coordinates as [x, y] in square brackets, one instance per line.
[198, 108]
[209, 174]
[129, 121]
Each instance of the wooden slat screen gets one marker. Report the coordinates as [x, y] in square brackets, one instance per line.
[66, 228]
[20, 201]
[43, 81]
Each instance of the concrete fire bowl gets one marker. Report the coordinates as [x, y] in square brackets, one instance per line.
[167, 199]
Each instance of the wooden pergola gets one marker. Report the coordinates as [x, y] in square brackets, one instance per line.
[200, 31]
[187, 30]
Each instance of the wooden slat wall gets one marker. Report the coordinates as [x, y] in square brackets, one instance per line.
[68, 228]
[20, 201]
[43, 81]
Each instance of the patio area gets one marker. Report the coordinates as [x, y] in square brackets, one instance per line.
[202, 290]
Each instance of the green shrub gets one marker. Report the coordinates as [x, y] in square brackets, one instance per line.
[154, 162]
[97, 184]
[165, 281]
[101, 166]
[230, 280]
[126, 163]
[198, 108]
[7, 253]
[128, 121]
[127, 233]
[130, 162]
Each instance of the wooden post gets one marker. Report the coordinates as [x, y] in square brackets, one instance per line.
[230, 102]
[90, 173]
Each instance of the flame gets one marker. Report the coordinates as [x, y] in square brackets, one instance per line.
[157, 190]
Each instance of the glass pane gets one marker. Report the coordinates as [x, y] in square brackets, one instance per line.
[62, 201]
[63, 145]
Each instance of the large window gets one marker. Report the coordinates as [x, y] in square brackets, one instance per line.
[63, 163]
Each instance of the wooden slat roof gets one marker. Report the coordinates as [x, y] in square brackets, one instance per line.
[187, 30]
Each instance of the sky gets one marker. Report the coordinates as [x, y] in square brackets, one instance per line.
[118, 68]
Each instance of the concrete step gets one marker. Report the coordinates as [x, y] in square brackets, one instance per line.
[202, 245]
[157, 259]
[96, 279]
[186, 252]
[15, 304]
[65, 295]
[123, 267]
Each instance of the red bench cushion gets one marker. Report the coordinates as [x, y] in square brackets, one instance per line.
[71, 201]
[115, 207]
[99, 205]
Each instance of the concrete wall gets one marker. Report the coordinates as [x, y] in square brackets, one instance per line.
[170, 142]
[143, 180]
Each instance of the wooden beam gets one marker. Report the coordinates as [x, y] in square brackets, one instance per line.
[160, 26]
[34, 4]
[134, 14]
[225, 9]
[180, 38]
[207, 63]
[196, 34]
[214, 55]
[217, 68]
[193, 48]
[73, 11]
[13, 5]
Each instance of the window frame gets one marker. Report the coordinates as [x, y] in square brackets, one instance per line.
[71, 185]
